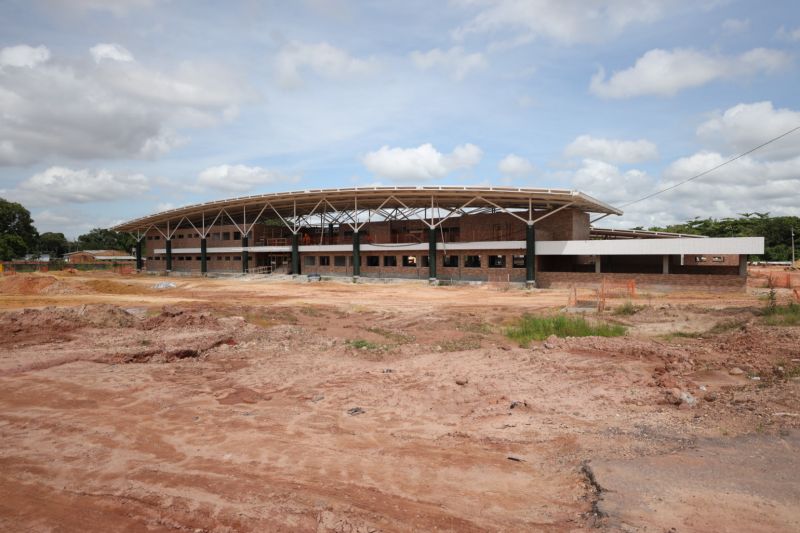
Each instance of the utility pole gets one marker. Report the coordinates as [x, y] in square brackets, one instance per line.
[792, 247]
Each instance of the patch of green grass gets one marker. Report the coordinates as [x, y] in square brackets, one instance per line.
[397, 337]
[782, 315]
[474, 327]
[531, 327]
[311, 311]
[683, 335]
[726, 325]
[627, 309]
[469, 342]
[361, 344]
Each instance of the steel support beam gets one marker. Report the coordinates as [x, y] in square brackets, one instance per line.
[530, 256]
[203, 256]
[356, 254]
[139, 262]
[295, 254]
[432, 254]
[245, 256]
[169, 255]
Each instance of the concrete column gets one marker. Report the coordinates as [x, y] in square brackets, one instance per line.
[295, 254]
[203, 256]
[432, 254]
[598, 264]
[356, 254]
[665, 264]
[530, 256]
[245, 256]
[139, 262]
[743, 265]
[169, 255]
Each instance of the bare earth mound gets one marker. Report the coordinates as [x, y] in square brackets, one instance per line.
[261, 406]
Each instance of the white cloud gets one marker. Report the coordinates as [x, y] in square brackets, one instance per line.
[611, 150]
[562, 21]
[116, 7]
[608, 183]
[422, 163]
[108, 109]
[58, 185]
[745, 126]
[514, 165]
[746, 185]
[322, 59]
[165, 206]
[241, 178]
[111, 52]
[736, 25]
[23, 55]
[665, 73]
[788, 35]
[454, 61]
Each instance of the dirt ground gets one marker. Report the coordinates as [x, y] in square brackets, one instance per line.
[236, 405]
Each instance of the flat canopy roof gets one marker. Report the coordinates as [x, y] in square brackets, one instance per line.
[299, 203]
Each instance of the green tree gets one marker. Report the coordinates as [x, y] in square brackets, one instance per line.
[105, 239]
[775, 230]
[16, 220]
[53, 243]
[12, 247]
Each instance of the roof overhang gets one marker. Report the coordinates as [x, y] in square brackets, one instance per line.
[299, 203]
[710, 245]
[640, 234]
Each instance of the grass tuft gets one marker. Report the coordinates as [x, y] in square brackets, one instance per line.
[627, 309]
[782, 315]
[361, 344]
[530, 327]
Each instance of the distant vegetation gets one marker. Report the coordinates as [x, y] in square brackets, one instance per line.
[775, 230]
[531, 327]
[19, 237]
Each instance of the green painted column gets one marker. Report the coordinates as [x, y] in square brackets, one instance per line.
[245, 256]
[530, 256]
[295, 254]
[139, 262]
[432, 254]
[169, 255]
[356, 254]
[203, 256]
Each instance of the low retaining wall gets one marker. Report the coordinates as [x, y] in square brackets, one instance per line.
[661, 282]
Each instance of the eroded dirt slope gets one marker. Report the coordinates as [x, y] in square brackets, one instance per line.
[332, 407]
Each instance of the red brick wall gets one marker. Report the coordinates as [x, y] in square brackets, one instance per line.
[652, 281]
[567, 224]
[483, 273]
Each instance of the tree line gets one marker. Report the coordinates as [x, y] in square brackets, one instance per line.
[777, 231]
[19, 237]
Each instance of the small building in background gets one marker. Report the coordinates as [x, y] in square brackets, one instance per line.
[98, 256]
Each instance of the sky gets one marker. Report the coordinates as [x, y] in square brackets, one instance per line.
[111, 110]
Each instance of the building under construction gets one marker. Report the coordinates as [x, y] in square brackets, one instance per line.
[541, 237]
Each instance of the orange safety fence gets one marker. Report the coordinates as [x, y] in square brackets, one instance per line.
[615, 289]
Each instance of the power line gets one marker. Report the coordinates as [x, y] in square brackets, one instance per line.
[731, 160]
